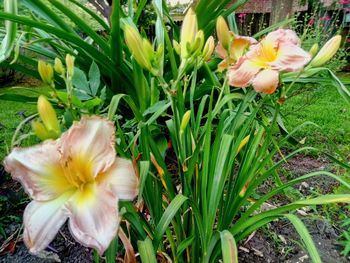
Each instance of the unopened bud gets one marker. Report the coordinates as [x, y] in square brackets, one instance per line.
[188, 31]
[48, 116]
[70, 65]
[208, 48]
[223, 32]
[136, 46]
[185, 120]
[59, 67]
[160, 51]
[199, 42]
[149, 52]
[327, 52]
[40, 131]
[314, 49]
[177, 47]
[45, 72]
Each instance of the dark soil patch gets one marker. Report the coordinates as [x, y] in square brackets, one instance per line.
[279, 242]
[62, 249]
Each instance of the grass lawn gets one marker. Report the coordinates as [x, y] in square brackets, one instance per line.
[11, 114]
[326, 108]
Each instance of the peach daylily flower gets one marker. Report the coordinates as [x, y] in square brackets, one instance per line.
[78, 177]
[260, 66]
[239, 45]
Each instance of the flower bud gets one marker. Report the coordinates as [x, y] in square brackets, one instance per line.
[70, 65]
[177, 47]
[223, 32]
[48, 116]
[188, 32]
[160, 51]
[208, 48]
[59, 67]
[135, 44]
[314, 49]
[198, 42]
[327, 52]
[40, 130]
[185, 120]
[46, 72]
[148, 49]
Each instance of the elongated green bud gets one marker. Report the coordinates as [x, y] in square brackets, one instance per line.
[59, 68]
[314, 49]
[223, 32]
[48, 116]
[136, 45]
[149, 51]
[177, 47]
[198, 43]
[70, 65]
[45, 72]
[185, 120]
[208, 48]
[188, 32]
[40, 131]
[327, 52]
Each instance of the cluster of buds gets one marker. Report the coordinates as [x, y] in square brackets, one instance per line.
[192, 40]
[326, 53]
[46, 70]
[142, 50]
[48, 127]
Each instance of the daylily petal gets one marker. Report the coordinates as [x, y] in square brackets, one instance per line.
[93, 217]
[242, 75]
[283, 36]
[239, 46]
[290, 58]
[34, 168]
[221, 51]
[122, 179]
[92, 139]
[266, 81]
[42, 220]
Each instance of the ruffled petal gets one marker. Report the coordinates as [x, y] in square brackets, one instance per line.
[35, 168]
[122, 179]
[93, 217]
[42, 220]
[266, 81]
[290, 58]
[286, 36]
[242, 75]
[92, 140]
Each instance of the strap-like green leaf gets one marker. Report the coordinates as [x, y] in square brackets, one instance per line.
[8, 43]
[168, 215]
[305, 236]
[228, 247]
[146, 251]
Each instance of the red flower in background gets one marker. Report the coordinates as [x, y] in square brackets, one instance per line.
[241, 17]
[311, 21]
[325, 18]
[343, 2]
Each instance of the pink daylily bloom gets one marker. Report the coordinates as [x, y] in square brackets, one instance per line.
[239, 45]
[260, 66]
[78, 177]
